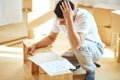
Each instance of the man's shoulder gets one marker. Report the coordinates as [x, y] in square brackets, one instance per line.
[81, 10]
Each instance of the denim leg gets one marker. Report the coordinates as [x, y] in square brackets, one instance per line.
[70, 56]
[90, 75]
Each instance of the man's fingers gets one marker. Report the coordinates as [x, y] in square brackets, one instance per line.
[63, 5]
[61, 8]
[32, 50]
[67, 1]
[66, 4]
[29, 50]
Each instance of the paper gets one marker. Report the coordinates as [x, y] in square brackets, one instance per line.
[51, 62]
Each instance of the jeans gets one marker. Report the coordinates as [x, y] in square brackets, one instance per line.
[90, 75]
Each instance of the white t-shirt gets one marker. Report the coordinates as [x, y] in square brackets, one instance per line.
[84, 22]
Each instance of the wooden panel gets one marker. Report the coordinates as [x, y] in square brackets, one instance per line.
[27, 4]
[68, 76]
[102, 13]
[41, 71]
[35, 68]
[105, 34]
[115, 26]
[118, 48]
[14, 31]
[102, 16]
[41, 74]
[27, 73]
[25, 55]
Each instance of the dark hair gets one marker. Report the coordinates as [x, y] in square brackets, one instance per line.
[58, 11]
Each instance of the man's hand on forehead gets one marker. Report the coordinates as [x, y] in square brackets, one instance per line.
[66, 9]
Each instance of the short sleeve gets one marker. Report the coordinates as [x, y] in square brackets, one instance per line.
[83, 27]
[84, 23]
[55, 27]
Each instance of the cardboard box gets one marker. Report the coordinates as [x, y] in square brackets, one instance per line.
[105, 34]
[102, 16]
[37, 72]
[115, 25]
[102, 13]
[27, 4]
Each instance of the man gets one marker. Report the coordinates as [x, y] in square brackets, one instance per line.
[80, 28]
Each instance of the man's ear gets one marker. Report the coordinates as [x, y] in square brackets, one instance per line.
[74, 14]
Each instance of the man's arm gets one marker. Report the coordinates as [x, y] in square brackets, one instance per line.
[47, 40]
[42, 43]
[75, 39]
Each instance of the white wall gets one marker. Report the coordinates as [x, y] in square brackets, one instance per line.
[39, 8]
[114, 2]
[94, 2]
[53, 2]
[88, 2]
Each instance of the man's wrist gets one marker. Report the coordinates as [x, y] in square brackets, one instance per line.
[34, 45]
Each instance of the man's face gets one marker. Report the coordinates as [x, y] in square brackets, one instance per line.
[61, 21]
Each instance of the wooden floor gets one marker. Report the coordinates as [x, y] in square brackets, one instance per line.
[11, 64]
[12, 67]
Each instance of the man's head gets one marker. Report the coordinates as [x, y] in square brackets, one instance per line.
[58, 10]
[59, 13]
